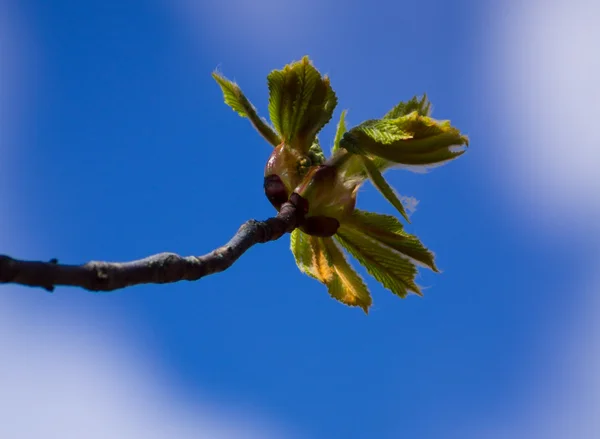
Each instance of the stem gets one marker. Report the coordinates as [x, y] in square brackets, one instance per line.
[157, 269]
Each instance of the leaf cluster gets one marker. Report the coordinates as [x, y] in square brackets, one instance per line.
[301, 102]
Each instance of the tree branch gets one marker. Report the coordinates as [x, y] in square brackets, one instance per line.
[158, 269]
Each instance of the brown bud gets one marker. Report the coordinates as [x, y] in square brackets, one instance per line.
[300, 203]
[326, 192]
[283, 162]
[321, 226]
[275, 191]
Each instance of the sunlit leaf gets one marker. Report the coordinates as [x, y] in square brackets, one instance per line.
[301, 102]
[303, 253]
[388, 266]
[409, 140]
[322, 259]
[388, 231]
[421, 106]
[240, 104]
[346, 286]
[275, 82]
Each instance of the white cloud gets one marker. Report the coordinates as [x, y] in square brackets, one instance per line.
[542, 76]
[59, 380]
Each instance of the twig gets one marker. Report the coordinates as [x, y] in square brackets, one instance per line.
[158, 269]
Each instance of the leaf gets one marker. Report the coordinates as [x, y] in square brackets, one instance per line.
[240, 104]
[321, 259]
[275, 81]
[410, 140]
[303, 253]
[388, 266]
[339, 132]
[421, 106]
[388, 231]
[382, 186]
[385, 131]
[347, 286]
[308, 77]
[301, 102]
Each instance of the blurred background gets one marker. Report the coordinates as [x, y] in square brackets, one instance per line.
[115, 144]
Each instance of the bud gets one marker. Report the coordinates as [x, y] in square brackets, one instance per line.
[330, 199]
[320, 226]
[282, 174]
[275, 191]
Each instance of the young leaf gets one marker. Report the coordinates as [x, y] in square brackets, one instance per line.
[303, 253]
[421, 106]
[388, 231]
[383, 263]
[315, 153]
[410, 140]
[322, 264]
[275, 81]
[240, 104]
[347, 286]
[339, 132]
[301, 102]
[382, 186]
[321, 259]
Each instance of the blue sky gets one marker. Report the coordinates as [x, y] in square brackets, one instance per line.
[117, 145]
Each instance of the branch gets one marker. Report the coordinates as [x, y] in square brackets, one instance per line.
[157, 269]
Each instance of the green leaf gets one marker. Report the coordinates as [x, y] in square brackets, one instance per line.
[409, 140]
[346, 286]
[421, 106]
[301, 102]
[385, 131]
[240, 104]
[339, 132]
[382, 186]
[308, 77]
[303, 253]
[388, 231]
[439, 157]
[321, 259]
[388, 266]
[275, 81]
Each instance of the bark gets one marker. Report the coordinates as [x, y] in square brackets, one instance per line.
[157, 269]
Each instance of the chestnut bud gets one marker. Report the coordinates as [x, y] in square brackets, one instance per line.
[321, 226]
[275, 191]
[283, 163]
[327, 193]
